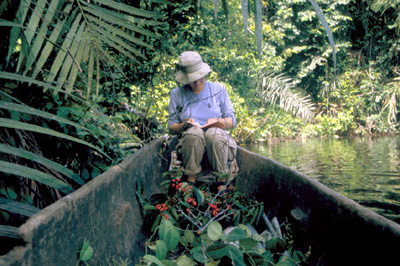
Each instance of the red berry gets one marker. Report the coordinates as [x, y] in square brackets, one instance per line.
[194, 203]
[173, 185]
[158, 206]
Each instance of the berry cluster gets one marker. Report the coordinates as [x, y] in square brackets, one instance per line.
[161, 208]
[176, 184]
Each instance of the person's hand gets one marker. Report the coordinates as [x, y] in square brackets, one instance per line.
[212, 120]
[187, 125]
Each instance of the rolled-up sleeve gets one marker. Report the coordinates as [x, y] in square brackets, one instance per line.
[227, 108]
[173, 116]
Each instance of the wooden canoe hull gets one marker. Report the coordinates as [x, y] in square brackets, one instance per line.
[106, 213]
[339, 231]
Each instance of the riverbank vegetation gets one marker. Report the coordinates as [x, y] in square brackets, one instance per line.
[83, 85]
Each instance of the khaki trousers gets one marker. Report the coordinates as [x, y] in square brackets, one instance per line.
[216, 143]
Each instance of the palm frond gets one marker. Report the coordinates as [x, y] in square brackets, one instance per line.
[273, 87]
[10, 150]
[17, 207]
[9, 123]
[9, 231]
[81, 28]
[36, 175]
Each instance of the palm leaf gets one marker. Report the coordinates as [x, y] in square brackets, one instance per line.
[117, 31]
[17, 207]
[59, 60]
[90, 72]
[16, 31]
[30, 30]
[9, 231]
[21, 78]
[273, 87]
[52, 40]
[40, 159]
[29, 110]
[36, 175]
[128, 9]
[36, 47]
[84, 43]
[8, 123]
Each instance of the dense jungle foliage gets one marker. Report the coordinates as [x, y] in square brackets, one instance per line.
[85, 84]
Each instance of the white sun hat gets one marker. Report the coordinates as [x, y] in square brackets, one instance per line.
[191, 68]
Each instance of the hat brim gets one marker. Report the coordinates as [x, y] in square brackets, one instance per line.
[184, 78]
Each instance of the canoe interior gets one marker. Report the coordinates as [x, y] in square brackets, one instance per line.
[106, 213]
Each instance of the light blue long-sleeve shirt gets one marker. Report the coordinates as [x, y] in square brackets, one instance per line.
[212, 102]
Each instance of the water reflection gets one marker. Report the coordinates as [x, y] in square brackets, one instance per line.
[366, 170]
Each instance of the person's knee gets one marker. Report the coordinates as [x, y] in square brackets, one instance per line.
[194, 135]
[215, 135]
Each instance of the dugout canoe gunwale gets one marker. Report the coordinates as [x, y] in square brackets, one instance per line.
[105, 212]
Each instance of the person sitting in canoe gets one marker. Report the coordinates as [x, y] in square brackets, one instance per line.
[200, 112]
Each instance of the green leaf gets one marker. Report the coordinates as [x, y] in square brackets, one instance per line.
[23, 171]
[29, 110]
[9, 231]
[275, 244]
[236, 255]
[39, 159]
[185, 261]
[17, 207]
[41, 35]
[235, 235]
[8, 123]
[153, 259]
[156, 223]
[86, 252]
[90, 72]
[48, 48]
[214, 230]
[161, 249]
[198, 254]
[187, 238]
[126, 8]
[169, 263]
[21, 78]
[59, 61]
[169, 234]
[104, 15]
[247, 243]
[218, 251]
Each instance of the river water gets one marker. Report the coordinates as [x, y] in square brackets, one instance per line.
[365, 169]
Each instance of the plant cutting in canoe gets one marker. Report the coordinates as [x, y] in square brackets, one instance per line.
[196, 225]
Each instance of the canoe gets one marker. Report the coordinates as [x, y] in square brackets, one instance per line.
[106, 213]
